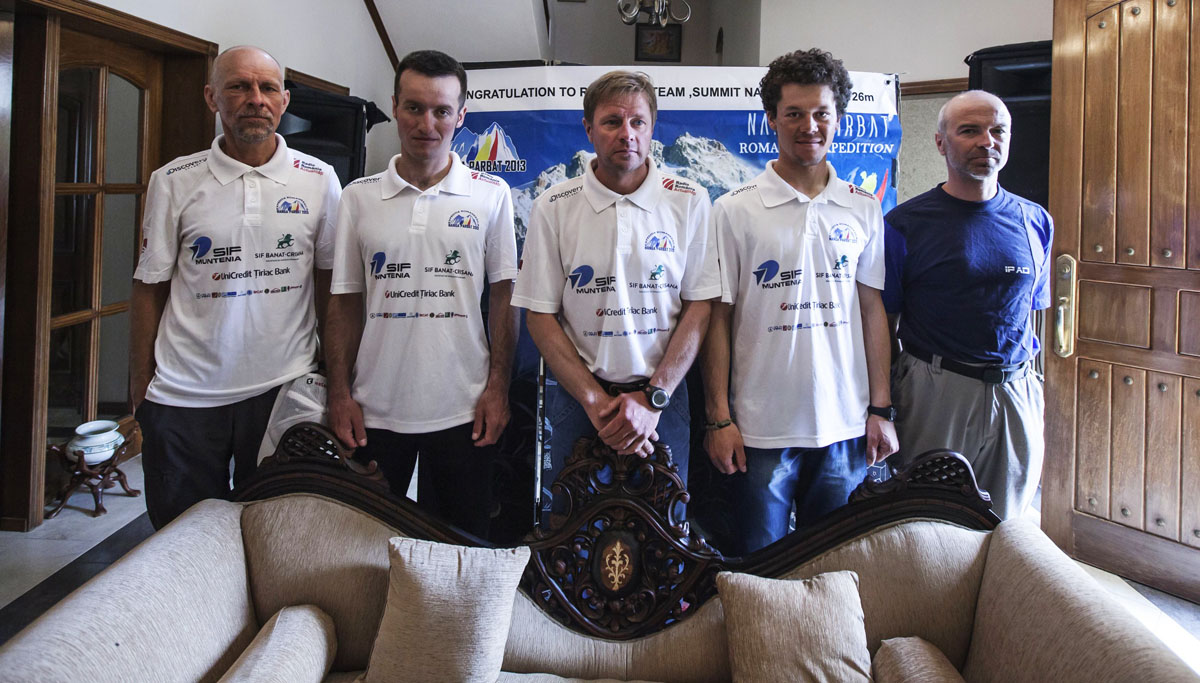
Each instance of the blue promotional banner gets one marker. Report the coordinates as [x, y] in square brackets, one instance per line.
[525, 126]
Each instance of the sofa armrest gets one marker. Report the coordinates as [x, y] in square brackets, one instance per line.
[176, 608]
[1042, 618]
[295, 645]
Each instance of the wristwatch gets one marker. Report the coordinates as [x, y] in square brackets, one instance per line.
[658, 397]
[888, 413]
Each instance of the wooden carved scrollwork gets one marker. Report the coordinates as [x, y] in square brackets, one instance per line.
[617, 561]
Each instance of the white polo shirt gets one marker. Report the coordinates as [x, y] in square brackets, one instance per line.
[615, 267]
[419, 258]
[238, 245]
[790, 266]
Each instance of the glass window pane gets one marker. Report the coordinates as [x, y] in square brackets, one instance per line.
[122, 134]
[68, 372]
[114, 367]
[119, 248]
[78, 94]
[72, 273]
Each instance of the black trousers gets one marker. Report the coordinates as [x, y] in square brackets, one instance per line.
[186, 451]
[454, 480]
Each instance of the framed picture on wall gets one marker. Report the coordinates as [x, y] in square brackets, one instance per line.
[658, 43]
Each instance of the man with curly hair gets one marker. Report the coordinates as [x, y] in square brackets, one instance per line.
[797, 355]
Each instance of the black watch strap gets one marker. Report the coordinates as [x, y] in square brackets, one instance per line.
[888, 413]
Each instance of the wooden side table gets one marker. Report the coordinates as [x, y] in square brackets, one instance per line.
[101, 476]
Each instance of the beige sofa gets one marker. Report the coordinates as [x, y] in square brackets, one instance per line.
[1001, 605]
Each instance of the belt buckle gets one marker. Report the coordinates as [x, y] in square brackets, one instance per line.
[994, 375]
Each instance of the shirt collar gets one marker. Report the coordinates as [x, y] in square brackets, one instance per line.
[457, 179]
[645, 197]
[226, 169]
[774, 190]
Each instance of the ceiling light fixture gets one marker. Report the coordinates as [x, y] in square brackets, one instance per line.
[660, 11]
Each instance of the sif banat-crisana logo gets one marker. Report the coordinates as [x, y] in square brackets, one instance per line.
[766, 272]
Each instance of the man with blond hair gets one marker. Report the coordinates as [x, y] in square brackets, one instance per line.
[237, 244]
[967, 264]
[618, 273]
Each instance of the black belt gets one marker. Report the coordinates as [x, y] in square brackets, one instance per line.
[617, 388]
[992, 374]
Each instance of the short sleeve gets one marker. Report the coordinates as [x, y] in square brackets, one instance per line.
[1041, 295]
[348, 276]
[701, 279]
[160, 233]
[326, 229]
[540, 282]
[871, 266]
[500, 257]
[895, 251]
[727, 253]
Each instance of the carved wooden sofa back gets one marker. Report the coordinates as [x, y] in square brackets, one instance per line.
[618, 563]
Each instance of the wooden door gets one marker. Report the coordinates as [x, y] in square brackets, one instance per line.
[1121, 487]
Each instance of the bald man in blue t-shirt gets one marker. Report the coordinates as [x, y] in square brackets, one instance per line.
[967, 264]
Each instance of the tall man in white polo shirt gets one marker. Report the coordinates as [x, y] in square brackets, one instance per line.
[617, 275]
[416, 243]
[801, 324]
[236, 248]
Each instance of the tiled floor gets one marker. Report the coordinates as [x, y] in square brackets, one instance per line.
[40, 567]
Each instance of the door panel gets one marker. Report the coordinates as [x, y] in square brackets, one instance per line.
[1122, 478]
[1128, 445]
[1168, 175]
[1133, 131]
[1100, 141]
[1094, 423]
[1162, 455]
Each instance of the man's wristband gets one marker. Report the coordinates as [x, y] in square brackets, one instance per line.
[714, 426]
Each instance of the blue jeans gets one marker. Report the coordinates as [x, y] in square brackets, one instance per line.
[817, 480]
[569, 423]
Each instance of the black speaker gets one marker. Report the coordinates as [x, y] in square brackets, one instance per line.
[333, 128]
[1019, 75]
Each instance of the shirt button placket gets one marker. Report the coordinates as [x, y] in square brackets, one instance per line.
[253, 204]
[624, 229]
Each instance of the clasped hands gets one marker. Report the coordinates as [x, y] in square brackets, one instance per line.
[626, 423]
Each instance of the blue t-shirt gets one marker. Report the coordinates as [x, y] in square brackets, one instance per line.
[964, 276]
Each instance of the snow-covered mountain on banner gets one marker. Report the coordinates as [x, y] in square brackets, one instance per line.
[702, 160]
[491, 145]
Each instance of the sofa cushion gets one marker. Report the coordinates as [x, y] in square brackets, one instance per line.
[295, 645]
[1033, 593]
[448, 611]
[912, 660]
[807, 630]
[506, 677]
[916, 577]
[176, 608]
[308, 550]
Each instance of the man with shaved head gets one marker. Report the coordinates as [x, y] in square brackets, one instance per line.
[967, 264]
[237, 247]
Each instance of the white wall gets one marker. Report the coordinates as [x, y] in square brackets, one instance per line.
[921, 40]
[591, 33]
[330, 39]
[741, 20]
[469, 30]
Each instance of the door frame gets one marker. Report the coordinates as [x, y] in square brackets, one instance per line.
[185, 127]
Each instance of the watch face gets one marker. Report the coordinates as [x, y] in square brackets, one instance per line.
[658, 397]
